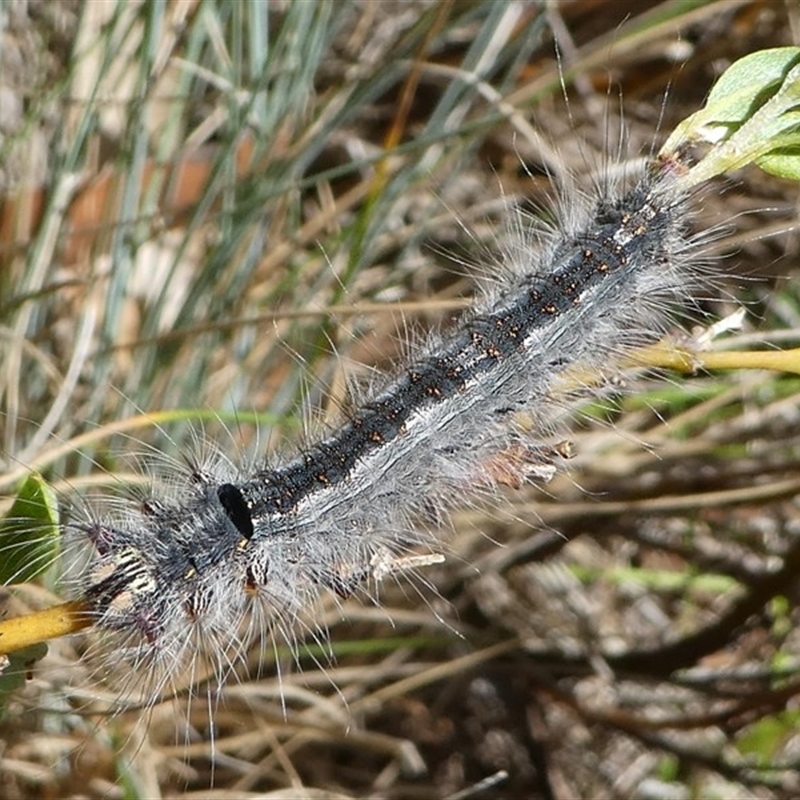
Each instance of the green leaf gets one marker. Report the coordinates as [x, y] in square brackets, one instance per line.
[752, 116]
[668, 769]
[29, 539]
[763, 739]
[741, 90]
[783, 161]
[748, 83]
[14, 670]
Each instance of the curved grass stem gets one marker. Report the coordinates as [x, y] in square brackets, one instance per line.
[681, 360]
[25, 631]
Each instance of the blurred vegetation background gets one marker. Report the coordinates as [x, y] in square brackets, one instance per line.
[221, 209]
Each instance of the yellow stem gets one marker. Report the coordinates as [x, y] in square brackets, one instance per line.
[686, 361]
[21, 632]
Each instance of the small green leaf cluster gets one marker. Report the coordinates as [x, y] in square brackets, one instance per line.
[752, 116]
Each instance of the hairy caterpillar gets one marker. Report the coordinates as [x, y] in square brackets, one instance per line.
[205, 565]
